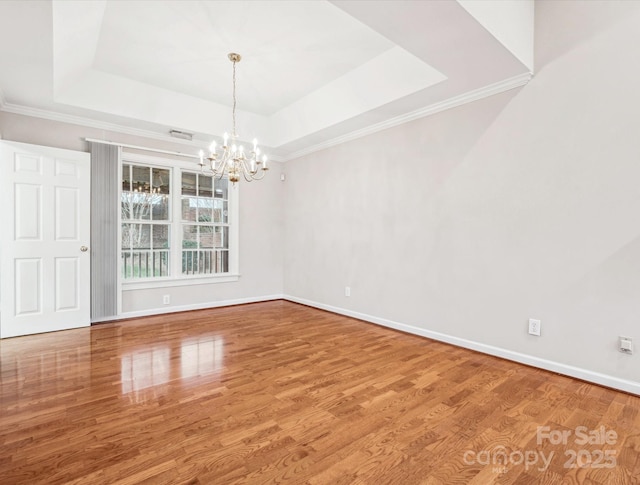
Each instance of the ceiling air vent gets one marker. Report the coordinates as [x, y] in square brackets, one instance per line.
[181, 134]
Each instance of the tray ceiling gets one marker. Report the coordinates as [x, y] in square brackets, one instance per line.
[313, 72]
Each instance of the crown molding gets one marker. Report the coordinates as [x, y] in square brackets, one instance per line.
[484, 92]
[104, 125]
[490, 90]
[91, 123]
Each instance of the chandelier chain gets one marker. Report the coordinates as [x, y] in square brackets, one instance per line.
[234, 134]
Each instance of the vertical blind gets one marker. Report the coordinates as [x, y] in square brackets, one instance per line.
[104, 231]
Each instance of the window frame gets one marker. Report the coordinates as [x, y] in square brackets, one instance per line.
[150, 222]
[176, 278]
[199, 224]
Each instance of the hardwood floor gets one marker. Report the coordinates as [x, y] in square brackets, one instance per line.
[278, 392]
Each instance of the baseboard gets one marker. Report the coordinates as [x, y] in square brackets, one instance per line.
[197, 306]
[568, 370]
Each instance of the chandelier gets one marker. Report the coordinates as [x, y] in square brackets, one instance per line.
[231, 159]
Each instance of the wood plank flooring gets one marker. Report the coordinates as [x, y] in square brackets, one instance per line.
[278, 392]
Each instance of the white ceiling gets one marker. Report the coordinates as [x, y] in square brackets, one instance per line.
[179, 46]
[313, 72]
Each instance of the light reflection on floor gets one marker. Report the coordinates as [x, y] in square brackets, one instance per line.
[144, 369]
[203, 355]
[144, 372]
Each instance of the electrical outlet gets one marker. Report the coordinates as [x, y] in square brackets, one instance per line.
[347, 291]
[534, 327]
[166, 299]
[625, 345]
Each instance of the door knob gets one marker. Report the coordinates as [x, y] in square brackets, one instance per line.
[84, 249]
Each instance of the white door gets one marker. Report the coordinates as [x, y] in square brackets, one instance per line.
[44, 236]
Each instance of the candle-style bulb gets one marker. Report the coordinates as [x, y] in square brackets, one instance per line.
[226, 138]
[255, 144]
[212, 147]
[234, 148]
[201, 153]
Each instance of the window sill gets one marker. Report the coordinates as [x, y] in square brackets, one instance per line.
[169, 282]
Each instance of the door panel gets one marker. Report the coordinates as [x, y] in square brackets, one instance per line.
[66, 167]
[27, 163]
[27, 282]
[45, 274]
[28, 216]
[67, 278]
[67, 214]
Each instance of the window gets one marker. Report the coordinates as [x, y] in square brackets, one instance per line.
[145, 205]
[176, 224]
[205, 227]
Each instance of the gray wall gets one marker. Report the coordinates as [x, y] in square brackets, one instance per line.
[260, 221]
[471, 221]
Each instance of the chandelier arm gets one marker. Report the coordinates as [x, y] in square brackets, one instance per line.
[210, 173]
[218, 173]
[246, 172]
[247, 176]
[213, 171]
[255, 176]
[260, 171]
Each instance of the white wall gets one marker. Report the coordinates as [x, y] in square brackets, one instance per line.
[465, 224]
[260, 222]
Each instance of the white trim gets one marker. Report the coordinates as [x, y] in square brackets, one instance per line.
[3, 101]
[91, 123]
[197, 306]
[484, 92]
[138, 147]
[490, 90]
[105, 125]
[131, 285]
[155, 159]
[568, 370]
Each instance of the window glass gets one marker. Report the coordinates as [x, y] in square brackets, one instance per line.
[145, 216]
[205, 221]
[201, 227]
